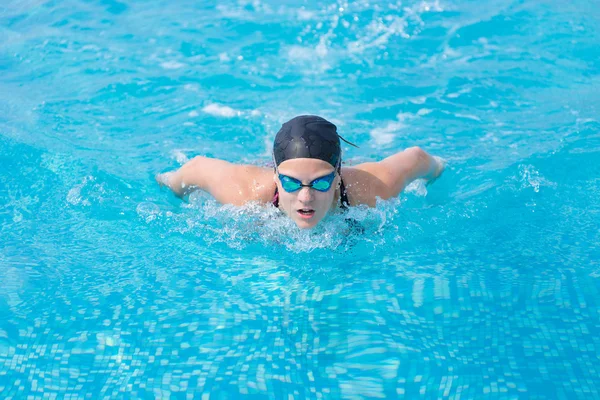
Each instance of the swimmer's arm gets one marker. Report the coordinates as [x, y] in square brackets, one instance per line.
[192, 175]
[402, 168]
[387, 178]
[228, 183]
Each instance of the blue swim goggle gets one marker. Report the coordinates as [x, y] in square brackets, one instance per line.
[321, 184]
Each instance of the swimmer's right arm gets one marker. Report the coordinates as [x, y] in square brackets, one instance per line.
[228, 183]
[187, 178]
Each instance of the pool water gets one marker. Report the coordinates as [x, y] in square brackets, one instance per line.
[485, 284]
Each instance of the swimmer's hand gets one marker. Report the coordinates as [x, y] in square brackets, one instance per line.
[163, 179]
[175, 182]
[438, 167]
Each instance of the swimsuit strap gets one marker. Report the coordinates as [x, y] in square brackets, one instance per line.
[343, 197]
[276, 198]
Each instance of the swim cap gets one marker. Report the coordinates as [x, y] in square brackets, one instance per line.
[307, 136]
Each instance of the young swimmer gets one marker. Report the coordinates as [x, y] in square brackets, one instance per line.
[308, 180]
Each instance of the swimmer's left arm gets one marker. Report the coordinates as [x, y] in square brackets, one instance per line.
[391, 175]
[402, 168]
[413, 163]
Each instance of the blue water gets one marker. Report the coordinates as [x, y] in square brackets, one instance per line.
[485, 284]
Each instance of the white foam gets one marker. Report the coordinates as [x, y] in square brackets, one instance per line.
[417, 187]
[418, 100]
[179, 156]
[191, 87]
[387, 134]
[300, 53]
[172, 65]
[148, 211]
[531, 177]
[467, 116]
[459, 93]
[220, 111]
[321, 49]
[378, 34]
[74, 196]
[304, 15]
[90, 47]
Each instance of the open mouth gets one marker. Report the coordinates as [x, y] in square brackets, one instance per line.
[306, 212]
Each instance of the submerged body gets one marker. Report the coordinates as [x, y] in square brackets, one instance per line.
[307, 187]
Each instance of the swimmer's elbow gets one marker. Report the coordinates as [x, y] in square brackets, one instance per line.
[421, 165]
[419, 157]
[192, 175]
[197, 161]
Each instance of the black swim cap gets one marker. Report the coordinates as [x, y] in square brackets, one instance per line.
[308, 136]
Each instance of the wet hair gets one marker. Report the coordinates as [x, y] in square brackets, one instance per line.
[308, 136]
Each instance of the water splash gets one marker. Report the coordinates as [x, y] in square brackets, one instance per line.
[531, 178]
[259, 224]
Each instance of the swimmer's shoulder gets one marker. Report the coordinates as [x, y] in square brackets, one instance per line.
[362, 185]
[259, 181]
[244, 183]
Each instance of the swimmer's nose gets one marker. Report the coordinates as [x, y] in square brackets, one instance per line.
[305, 195]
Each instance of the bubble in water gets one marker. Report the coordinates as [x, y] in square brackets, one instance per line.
[148, 211]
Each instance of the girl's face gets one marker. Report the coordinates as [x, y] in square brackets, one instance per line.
[306, 206]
